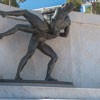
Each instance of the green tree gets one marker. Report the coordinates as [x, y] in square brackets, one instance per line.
[14, 3]
[98, 8]
[77, 4]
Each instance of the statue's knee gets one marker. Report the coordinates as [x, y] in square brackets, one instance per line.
[55, 58]
[29, 55]
[17, 26]
[25, 11]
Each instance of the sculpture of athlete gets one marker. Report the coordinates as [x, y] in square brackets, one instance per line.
[41, 30]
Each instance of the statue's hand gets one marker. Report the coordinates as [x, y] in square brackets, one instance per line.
[2, 13]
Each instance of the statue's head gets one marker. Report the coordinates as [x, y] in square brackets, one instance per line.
[60, 19]
[68, 7]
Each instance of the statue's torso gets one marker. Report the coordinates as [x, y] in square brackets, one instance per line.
[51, 29]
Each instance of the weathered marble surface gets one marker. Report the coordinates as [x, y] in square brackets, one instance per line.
[85, 49]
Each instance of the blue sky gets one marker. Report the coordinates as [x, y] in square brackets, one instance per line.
[34, 4]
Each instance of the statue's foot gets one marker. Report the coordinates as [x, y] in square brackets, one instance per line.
[18, 78]
[1, 36]
[50, 79]
[2, 13]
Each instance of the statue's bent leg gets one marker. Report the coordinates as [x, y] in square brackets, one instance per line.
[12, 13]
[31, 49]
[20, 27]
[32, 18]
[49, 52]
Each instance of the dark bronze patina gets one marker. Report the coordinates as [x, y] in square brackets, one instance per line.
[54, 21]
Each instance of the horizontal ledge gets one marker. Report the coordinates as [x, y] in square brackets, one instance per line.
[30, 92]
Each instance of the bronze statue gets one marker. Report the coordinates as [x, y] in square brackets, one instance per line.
[56, 20]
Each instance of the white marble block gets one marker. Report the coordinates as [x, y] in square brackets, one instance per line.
[79, 53]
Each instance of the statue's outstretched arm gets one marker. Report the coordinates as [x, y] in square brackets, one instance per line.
[49, 10]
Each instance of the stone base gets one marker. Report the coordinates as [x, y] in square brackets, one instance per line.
[35, 83]
[42, 92]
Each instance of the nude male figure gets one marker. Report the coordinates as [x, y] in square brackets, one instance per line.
[41, 31]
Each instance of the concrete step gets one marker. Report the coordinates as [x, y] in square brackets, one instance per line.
[42, 92]
[49, 99]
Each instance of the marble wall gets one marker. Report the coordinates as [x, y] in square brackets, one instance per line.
[85, 49]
